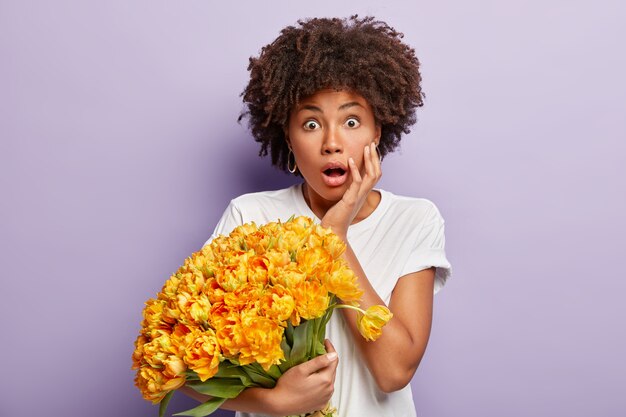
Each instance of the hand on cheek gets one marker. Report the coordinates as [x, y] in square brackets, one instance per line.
[341, 215]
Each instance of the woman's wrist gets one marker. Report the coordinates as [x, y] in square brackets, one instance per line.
[275, 403]
[341, 232]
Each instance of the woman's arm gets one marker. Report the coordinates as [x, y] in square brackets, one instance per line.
[394, 357]
[302, 389]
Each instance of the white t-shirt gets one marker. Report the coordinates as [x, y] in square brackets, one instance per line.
[402, 235]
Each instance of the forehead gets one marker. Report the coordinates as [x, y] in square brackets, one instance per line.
[333, 99]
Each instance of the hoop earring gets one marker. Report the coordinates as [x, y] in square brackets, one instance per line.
[295, 167]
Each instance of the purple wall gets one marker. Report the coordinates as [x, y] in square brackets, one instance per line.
[120, 149]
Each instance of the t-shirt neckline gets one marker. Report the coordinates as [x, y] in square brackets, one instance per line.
[364, 224]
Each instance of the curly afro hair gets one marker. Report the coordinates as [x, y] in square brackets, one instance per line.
[361, 55]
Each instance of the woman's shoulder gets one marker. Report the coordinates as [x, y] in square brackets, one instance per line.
[260, 197]
[417, 207]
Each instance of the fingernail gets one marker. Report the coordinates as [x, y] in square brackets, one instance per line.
[367, 149]
[332, 356]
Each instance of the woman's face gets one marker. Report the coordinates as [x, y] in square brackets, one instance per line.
[326, 129]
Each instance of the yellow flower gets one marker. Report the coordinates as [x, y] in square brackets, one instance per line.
[234, 273]
[154, 385]
[287, 277]
[342, 282]
[200, 308]
[138, 352]
[277, 304]
[371, 323]
[159, 368]
[170, 287]
[311, 299]
[203, 354]
[333, 244]
[214, 291]
[244, 297]
[150, 382]
[153, 317]
[313, 261]
[278, 258]
[262, 340]
[243, 230]
[299, 225]
[174, 366]
[228, 330]
[257, 270]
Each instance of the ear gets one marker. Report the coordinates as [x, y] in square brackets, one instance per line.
[378, 134]
[286, 135]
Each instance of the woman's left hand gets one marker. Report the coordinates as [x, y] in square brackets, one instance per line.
[341, 215]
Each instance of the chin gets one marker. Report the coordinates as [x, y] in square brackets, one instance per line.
[331, 193]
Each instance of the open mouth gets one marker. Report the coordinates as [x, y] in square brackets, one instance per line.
[335, 172]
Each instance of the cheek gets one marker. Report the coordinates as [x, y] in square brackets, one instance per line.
[303, 159]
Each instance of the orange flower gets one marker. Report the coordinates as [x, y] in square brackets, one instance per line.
[138, 352]
[342, 282]
[229, 332]
[159, 368]
[277, 304]
[199, 309]
[153, 317]
[257, 270]
[244, 297]
[278, 258]
[150, 382]
[234, 273]
[287, 277]
[311, 299]
[262, 340]
[313, 261]
[203, 354]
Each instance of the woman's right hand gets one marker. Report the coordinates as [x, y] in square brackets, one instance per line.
[307, 387]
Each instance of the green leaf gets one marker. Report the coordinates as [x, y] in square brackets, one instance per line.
[289, 334]
[319, 349]
[191, 375]
[164, 402]
[203, 409]
[300, 346]
[259, 376]
[229, 370]
[219, 387]
[274, 372]
[286, 364]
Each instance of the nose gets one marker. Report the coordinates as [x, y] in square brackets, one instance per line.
[332, 142]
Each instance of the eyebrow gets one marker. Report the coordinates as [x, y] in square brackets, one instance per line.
[318, 110]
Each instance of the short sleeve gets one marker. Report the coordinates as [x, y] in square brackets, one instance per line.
[230, 219]
[429, 250]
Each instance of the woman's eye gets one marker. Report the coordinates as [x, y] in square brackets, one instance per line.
[311, 125]
[353, 122]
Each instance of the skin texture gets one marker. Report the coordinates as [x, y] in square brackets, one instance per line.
[340, 125]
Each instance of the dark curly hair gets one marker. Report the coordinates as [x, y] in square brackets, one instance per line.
[362, 55]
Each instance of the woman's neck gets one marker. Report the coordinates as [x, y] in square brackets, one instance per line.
[319, 206]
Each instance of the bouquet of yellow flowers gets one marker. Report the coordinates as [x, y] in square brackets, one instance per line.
[243, 310]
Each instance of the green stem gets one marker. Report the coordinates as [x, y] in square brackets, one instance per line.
[348, 307]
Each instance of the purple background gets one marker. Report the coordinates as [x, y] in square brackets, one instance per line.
[120, 149]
